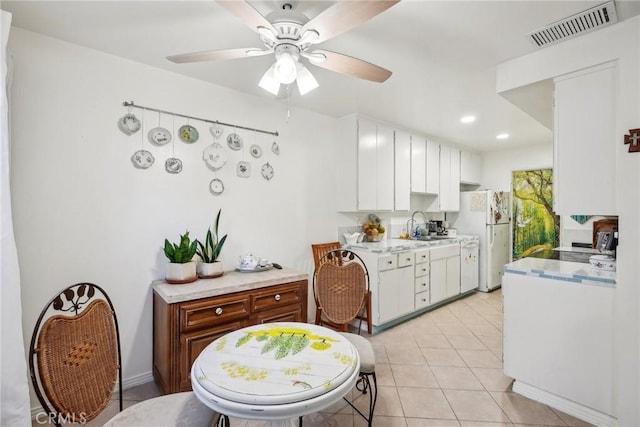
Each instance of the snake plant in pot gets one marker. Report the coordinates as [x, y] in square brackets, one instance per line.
[209, 251]
[181, 267]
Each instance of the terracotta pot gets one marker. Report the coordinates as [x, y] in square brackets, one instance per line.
[210, 270]
[181, 273]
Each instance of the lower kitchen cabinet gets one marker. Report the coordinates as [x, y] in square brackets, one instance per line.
[185, 323]
[445, 272]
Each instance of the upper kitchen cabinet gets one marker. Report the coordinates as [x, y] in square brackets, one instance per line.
[449, 198]
[470, 168]
[365, 165]
[425, 166]
[402, 144]
[584, 142]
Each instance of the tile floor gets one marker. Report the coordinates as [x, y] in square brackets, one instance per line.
[441, 369]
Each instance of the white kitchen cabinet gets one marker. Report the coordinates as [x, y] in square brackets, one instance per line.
[391, 277]
[425, 166]
[584, 162]
[449, 196]
[418, 164]
[402, 192]
[421, 283]
[365, 166]
[432, 174]
[470, 168]
[444, 272]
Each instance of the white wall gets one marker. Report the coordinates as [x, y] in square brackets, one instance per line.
[84, 213]
[497, 166]
[619, 42]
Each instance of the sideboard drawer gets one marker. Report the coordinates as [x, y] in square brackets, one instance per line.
[276, 297]
[197, 314]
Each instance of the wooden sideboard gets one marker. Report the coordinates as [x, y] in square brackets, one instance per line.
[186, 318]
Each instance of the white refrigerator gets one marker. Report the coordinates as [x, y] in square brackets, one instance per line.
[487, 214]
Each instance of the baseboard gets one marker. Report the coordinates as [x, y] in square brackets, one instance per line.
[127, 383]
[565, 405]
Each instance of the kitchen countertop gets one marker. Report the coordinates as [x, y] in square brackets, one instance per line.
[575, 272]
[231, 281]
[397, 245]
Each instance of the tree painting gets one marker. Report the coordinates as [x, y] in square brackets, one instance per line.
[535, 225]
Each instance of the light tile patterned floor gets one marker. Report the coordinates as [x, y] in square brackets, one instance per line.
[442, 369]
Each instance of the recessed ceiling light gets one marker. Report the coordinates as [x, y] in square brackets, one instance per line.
[468, 119]
[502, 136]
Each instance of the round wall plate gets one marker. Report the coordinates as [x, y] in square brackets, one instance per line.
[255, 151]
[142, 159]
[159, 136]
[129, 124]
[216, 187]
[267, 171]
[188, 134]
[275, 148]
[173, 165]
[243, 169]
[234, 141]
[214, 156]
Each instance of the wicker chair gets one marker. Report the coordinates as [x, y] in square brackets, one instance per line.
[340, 285]
[319, 250]
[75, 365]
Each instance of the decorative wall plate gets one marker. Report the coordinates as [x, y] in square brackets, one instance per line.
[275, 148]
[216, 187]
[243, 169]
[234, 141]
[142, 159]
[173, 165]
[214, 156]
[129, 124]
[188, 134]
[216, 131]
[159, 136]
[255, 151]
[267, 171]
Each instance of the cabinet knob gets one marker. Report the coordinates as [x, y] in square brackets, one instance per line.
[277, 297]
[389, 262]
[408, 259]
[219, 311]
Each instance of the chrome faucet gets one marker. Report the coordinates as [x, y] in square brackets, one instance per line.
[413, 219]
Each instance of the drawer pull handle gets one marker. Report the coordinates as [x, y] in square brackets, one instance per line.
[389, 262]
[277, 297]
[408, 259]
[219, 311]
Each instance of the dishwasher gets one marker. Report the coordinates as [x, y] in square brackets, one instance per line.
[469, 274]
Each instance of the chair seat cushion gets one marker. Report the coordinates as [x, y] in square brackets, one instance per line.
[365, 351]
[179, 409]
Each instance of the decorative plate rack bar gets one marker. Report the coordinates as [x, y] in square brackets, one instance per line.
[133, 105]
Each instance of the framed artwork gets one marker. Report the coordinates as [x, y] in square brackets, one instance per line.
[535, 225]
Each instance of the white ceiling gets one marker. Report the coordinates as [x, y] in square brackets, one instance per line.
[443, 55]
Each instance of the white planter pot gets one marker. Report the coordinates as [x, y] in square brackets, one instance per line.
[181, 273]
[209, 270]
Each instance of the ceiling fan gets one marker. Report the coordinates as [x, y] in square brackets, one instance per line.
[290, 35]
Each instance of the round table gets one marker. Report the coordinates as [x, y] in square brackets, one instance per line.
[275, 372]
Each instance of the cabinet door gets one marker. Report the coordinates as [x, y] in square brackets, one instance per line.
[432, 185]
[385, 168]
[454, 181]
[288, 313]
[444, 196]
[418, 164]
[584, 142]
[192, 344]
[438, 280]
[387, 295]
[406, 291]
[470, 168]
[402, 171]
[367, 165]
[453, 276]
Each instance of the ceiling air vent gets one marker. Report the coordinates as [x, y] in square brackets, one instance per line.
[575, 25]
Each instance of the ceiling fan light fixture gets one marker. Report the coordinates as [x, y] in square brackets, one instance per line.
[269, 82]
[285, 68]
[305, 81]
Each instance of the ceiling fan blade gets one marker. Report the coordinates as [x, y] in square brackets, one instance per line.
[345, 15]
[247, 14]
[217, 55]
[351, 66]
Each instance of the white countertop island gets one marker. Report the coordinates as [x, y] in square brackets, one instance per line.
[558, 335]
